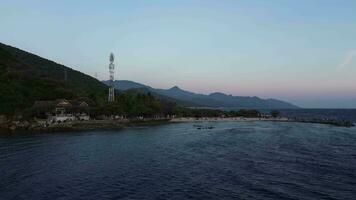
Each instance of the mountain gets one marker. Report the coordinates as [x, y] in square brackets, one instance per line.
[256, 102]
[125, 85]
[25, 78]
[214, 100]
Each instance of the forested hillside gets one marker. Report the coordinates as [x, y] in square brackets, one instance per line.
[25, 78]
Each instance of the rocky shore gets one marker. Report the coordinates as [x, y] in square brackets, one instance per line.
[37, 126]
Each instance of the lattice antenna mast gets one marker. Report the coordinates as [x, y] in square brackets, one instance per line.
[111, 97]
[65, 75]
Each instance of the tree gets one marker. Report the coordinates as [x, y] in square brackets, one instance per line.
[275, 113]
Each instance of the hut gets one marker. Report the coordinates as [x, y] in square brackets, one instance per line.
[62, 110]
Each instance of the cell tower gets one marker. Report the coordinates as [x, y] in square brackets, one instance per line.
[65, 75]
[111, 97]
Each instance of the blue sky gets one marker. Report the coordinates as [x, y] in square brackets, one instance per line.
[300, 51]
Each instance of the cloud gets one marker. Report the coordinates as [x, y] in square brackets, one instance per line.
[348, 60]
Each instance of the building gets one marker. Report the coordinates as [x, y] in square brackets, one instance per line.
[62, 110]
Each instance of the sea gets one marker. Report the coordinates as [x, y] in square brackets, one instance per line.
[331, 114]
[233, 160]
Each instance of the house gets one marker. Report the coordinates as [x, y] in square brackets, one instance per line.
[62, 110]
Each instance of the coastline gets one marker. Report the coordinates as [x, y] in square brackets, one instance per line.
[91, 125]
[228, 119]
[76, 126]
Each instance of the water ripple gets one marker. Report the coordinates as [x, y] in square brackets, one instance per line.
[245, 160]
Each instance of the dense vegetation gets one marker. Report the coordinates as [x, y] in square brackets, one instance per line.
[275, 113]
[132, 104]
[245, 113]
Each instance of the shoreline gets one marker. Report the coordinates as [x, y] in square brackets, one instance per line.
[228, 119]
[338, 123]
[78, 126]
[92, 125]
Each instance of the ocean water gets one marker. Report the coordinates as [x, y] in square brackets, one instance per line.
[336, 114]
[235, 160]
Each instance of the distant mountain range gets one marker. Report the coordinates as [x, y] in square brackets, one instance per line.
[213, 100]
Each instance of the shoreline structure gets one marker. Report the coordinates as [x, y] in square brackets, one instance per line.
[113, 124]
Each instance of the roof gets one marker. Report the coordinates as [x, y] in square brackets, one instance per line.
[60, 103]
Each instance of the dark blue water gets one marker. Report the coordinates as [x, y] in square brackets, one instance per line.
[335, 114]
[235, 160]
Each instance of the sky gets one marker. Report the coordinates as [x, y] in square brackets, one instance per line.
[303, 52]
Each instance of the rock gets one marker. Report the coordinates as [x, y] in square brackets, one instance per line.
[3, 119]
[18, 117]
[34, 126]
[12, 127]
[25, 124]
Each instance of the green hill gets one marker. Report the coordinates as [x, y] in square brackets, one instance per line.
[25, 78]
